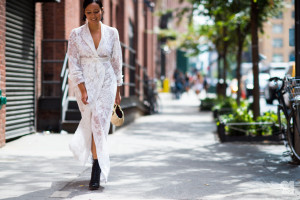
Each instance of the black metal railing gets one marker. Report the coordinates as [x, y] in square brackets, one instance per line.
[130, 68]
[52, 59]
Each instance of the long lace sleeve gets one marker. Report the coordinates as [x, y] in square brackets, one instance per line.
[76, 73]
[116, 58]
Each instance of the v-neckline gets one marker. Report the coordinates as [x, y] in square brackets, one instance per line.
[101, 28]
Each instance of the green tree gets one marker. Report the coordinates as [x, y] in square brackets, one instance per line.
[241, 22]
[233, 21]
[261, 11]
[219, 12]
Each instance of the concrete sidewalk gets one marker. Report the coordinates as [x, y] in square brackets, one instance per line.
[171, 155]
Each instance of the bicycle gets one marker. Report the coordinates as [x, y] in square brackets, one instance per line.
[291, 113]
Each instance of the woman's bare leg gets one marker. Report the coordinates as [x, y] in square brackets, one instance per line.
[95, 175]
[94, 148]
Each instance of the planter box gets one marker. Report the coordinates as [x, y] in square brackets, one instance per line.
[225, 137]
[206, 105]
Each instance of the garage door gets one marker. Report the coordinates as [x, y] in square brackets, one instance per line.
[19, 57]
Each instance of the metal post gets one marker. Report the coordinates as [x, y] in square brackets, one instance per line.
[297, 42]
[297, 64]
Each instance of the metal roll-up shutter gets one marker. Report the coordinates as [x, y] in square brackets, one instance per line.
[19, 58]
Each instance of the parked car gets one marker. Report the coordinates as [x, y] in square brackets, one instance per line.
[275, 70]
[263, 81]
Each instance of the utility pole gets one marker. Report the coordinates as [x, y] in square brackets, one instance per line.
[297, 39]
[297, 64]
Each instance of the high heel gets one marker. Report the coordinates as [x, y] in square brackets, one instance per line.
[95, 176]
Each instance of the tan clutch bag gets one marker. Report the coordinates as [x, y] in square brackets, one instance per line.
[117, 117]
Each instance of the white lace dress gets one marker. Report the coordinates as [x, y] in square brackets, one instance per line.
[101, 71]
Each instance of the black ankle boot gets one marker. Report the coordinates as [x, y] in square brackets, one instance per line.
[95, 176]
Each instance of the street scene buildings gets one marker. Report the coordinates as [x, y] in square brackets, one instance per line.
[210, 97]
[277, 36]
[34, 38]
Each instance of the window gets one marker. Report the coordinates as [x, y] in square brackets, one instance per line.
[279, 16]
[293, 14]
[131, 58]
[277, 43]
[277, 57]
[277, 28]
[292, 56]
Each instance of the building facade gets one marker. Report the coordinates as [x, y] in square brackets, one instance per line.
[33, 45]
[274, 43]
[172, 58]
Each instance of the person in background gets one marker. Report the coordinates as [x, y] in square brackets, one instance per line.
[198, 83]
[187, 82]
[205, 85]
[179, 85]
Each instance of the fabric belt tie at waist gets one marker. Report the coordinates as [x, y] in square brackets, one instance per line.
[101, 59]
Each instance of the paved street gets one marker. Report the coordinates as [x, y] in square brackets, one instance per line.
[171, 155]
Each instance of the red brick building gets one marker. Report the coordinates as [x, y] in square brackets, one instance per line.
[33, 44]
[172, 56]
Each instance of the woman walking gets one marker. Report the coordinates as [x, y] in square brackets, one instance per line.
[95, 63]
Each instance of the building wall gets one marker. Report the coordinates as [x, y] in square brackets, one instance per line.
[141, 40]
[54, 27]
[81, 12]
[38, 49]
[106, 8]
[2, 69]
[266, 40]
[56, 20]
[119, 14]
[72, 16]
[181, 28]
[151, 44]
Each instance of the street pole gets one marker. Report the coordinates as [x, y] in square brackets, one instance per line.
[297, 65]
[297, 42]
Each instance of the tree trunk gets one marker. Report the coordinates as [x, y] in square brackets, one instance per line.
[219, 67]
[219, 86]
[219, 61]
[224, 74]
[239, 61]
[219, 92]
[255, 59]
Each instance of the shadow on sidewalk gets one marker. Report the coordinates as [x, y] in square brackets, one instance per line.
[193, 173]
[174, 155]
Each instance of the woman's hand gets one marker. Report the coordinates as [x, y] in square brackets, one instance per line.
[118, 96]
[84, 96]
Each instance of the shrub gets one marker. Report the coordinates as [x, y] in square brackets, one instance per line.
[270, 117]
[208, 103]
[243, 114]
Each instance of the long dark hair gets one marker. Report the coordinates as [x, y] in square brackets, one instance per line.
[88, 2]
